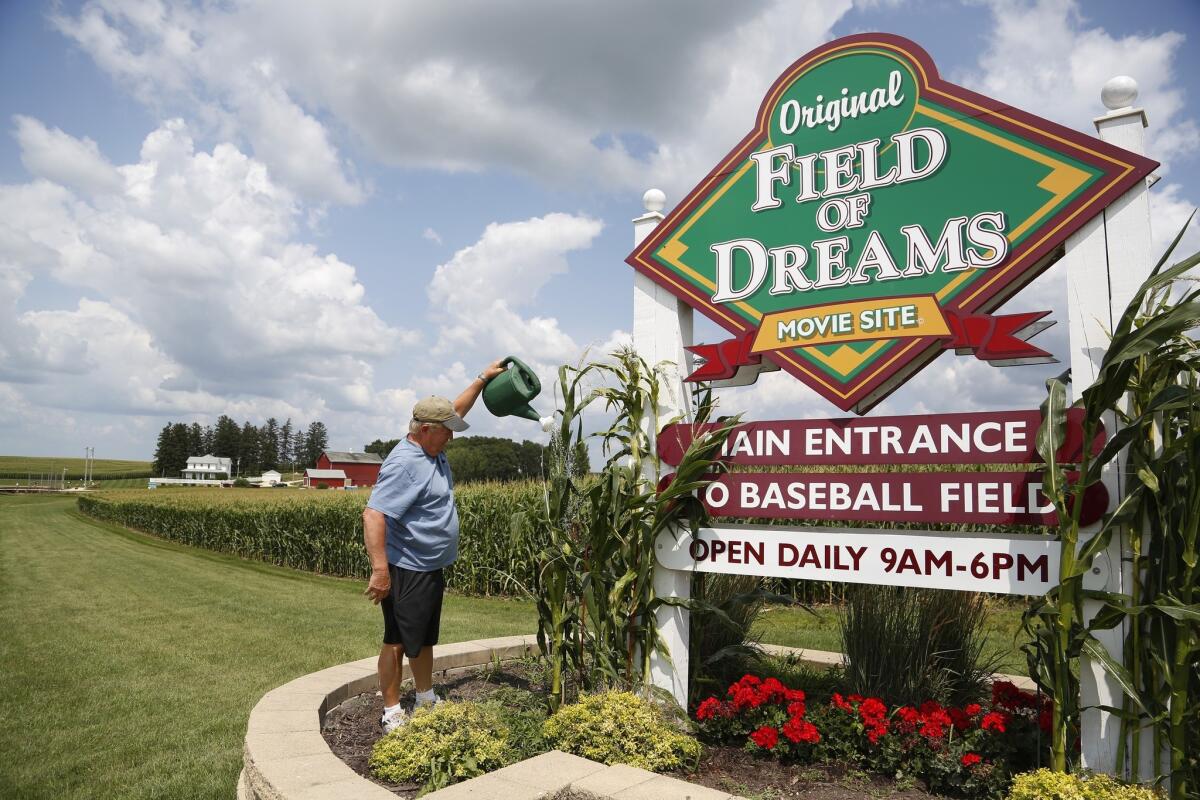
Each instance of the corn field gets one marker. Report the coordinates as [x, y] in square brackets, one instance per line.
[322, 531]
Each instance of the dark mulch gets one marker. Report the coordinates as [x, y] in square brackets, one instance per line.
[352, 729]
[736, 771]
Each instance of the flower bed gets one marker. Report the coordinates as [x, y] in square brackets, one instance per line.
[970, 752]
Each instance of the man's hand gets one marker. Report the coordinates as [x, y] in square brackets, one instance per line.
[379, 586]
[493, 369]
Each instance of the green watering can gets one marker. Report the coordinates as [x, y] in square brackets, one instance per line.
[508, 394]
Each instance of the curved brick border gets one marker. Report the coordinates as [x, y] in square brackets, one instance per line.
[286, 757]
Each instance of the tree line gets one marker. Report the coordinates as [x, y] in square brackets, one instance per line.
[489, 458]
[254, 449]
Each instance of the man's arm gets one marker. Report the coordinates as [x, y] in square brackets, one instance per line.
[463, 403]
[375, 537]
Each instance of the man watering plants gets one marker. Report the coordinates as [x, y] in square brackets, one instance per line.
[410, 528]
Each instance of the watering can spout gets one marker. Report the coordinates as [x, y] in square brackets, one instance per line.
[509, 393]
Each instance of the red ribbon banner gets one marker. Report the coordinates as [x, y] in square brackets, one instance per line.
[999, 340]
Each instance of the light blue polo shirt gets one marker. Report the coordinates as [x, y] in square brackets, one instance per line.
[416, 494]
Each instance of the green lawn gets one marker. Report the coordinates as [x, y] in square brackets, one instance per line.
[130, 664]
[54, 465]
[796, 627]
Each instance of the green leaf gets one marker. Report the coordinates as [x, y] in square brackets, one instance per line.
[1147, 478]
[1098, 653]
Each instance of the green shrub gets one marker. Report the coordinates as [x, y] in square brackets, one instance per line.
[442, 745]
[241, 483]
[912, 645]
[720, 639]
[1044, 784]
[523, 714]
[620, 728]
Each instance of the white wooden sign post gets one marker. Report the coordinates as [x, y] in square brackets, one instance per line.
[662, 328]
[1106, 261]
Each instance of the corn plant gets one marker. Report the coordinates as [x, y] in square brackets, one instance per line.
[321, 531]
[592, 541]
[1147, 378]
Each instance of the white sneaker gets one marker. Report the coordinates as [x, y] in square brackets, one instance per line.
[436, 701]
[394, 720]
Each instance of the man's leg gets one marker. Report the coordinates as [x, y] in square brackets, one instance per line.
[390, 673]
[422, 669]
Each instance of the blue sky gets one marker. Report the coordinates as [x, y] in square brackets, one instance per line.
[328, 209]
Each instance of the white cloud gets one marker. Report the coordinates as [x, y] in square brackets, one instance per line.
[61, 158]
[621, 95]
[197, 298]
[482, 289]
[203, 63]
[431, 235]
[1046, 57]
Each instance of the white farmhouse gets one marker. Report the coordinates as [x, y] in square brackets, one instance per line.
[210, 467]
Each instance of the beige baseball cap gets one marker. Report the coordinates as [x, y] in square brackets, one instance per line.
[439, 410]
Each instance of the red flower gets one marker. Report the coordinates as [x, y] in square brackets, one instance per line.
[796, 709]
[872, 708]
[745, 697]
[994, 721]
[765, 737]
[794, 694]
[960, 718]
[840, 702]
[909, 717]
[971, 759]
[934, 720]
[973, 708]
[799, 730]
[1046, 718]
[708, 709]
[1006, 695]
[855, 698]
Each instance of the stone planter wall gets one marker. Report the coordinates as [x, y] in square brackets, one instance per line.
[286, 757]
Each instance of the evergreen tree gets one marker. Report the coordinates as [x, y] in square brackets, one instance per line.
[162, 451]
[299, 449]
[209, 438]
[196, 440]
[177, 450]
[269, 444]
[315, 443]
[225, 438]
[249, 455]
[285, 444]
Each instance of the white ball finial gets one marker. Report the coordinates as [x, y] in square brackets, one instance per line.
[654, 200]
[1119, 92]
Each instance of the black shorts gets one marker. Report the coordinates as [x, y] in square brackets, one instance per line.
[412, 610]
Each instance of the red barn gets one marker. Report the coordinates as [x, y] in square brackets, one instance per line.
[361, 468]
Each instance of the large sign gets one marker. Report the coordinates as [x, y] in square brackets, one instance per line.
[977, 498]
[1007, 565]
[981, 437]
[875, 215]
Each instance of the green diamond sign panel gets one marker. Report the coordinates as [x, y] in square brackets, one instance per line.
[871, 206]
